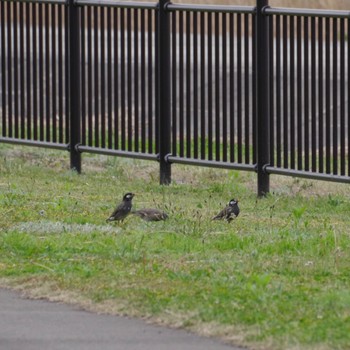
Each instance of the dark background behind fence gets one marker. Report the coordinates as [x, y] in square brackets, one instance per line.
[259, 89]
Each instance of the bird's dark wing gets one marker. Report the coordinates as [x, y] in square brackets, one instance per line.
[223, 214]
[120, 212]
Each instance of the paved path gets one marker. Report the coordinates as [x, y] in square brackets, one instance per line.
[41, 325]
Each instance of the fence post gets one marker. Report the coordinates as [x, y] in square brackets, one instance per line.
[262, 96]
[74, 86]
[164, 92]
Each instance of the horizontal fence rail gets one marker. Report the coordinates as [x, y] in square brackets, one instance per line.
[306, 12]
[117, 4]
[210, 8]
[180, 83]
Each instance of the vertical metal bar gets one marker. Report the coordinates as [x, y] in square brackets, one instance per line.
[156, 114]
[129, 79]
[22, 66]
[103, 76]
[28, 70]
[188, 85]
[224, 87]
[232, 88]
[48, 96]
[41, 73]
[239, 87]
[320, 95]
[306, 94]
[195, 85]
[54, 70]
[328, 96]
[60, 76]
[348, 96]
[164, 92]
[203, 82]
[66, 73]
[150, 81]
[15, 68]
[335, 96]
[292, 90]
[278, 94]
[143, 82]
[96, 65]
[3, 66]
[74, 86]
[136, 80]
[342, 97]
[174, 81]
[218, 115]
[89, 76]
[246, 90]
[262, 103]
[83, 76]
[253, 88]
[116, 79]
[9, 67]
[285, 93]
[299, 97]
[181, 85]
[313, 103]
[34, 70]
[313, 95]
[273, 114]
[210, 87]
[109, 77]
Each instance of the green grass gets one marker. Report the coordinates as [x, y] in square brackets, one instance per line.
[277, 277]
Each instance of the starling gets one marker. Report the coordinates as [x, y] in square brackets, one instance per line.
[123, 209]
[151, 214]
[230, 212]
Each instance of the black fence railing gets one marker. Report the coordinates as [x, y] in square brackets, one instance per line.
[253, 88]
[119, 79]
[212, 80]
[34, 72]
[309, 92]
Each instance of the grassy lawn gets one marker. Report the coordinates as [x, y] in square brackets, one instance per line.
[277, 277]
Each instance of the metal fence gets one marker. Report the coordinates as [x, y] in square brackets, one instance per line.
[309, 92]
[251, 88]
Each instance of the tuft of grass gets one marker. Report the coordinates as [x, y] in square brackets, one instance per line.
[277, 277]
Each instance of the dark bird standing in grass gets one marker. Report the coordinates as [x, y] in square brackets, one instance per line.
[150, 214]
[230, 212]
[123, 209]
